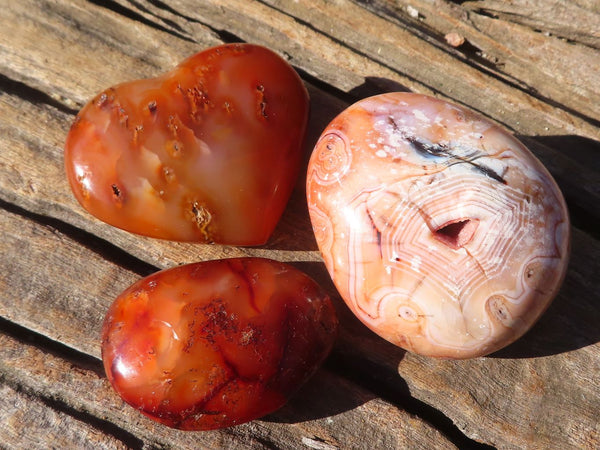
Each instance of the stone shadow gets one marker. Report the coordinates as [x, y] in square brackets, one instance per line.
[571, 321]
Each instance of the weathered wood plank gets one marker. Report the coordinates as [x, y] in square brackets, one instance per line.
[580, 184]
[46, 375]
[40, 269]
[570, 328]
[64, 52]
[61, 289]
[392, 52]
[577, 20]
[551, 413]
[345, 45]
[513, 399]
[67, 49]
[26, 422]
[544, 65]
[33, 178]
[540, 392]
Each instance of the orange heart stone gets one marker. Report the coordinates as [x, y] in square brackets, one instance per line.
[208, 152]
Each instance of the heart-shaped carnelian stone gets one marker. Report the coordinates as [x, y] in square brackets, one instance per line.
[208, 152]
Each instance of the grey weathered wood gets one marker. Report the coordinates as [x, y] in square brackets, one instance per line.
[61, 268]
[76, 285]
[542, 392]
[578, 20]
[394, 51]
[27, 422]
[521, 48]
[345, 45]
[41, 187]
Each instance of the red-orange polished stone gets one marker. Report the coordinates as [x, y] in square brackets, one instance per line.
[216, 343]
[208, 152]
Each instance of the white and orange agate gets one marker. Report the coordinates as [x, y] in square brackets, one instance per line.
[441, 231]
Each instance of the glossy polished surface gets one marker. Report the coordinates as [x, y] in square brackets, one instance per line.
[216, 343]
[441, 231]
[208, 152]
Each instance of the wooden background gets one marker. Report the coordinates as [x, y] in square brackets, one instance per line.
[531, 65]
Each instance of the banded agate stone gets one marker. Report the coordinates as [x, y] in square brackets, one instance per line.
[216, 343]
[441, 231]
[208, 152]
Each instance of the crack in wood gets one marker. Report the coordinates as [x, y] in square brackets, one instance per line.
[391, 387]
[107, 250]
[19, 89]
[104, 426]
[137, 17]
[76, 358]
[576, 180]
[473, 57]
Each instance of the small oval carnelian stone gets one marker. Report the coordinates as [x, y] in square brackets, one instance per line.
[216, 343]
[208, 152]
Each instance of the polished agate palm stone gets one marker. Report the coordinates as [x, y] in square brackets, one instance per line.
[441, 231]
[216, 343]
[208, 152]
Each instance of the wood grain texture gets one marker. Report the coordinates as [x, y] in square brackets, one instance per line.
[526, 53]
[77, 284]
[530, 65]
[577, 21]
[534, 391]
[28, 422]
[396, 52]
